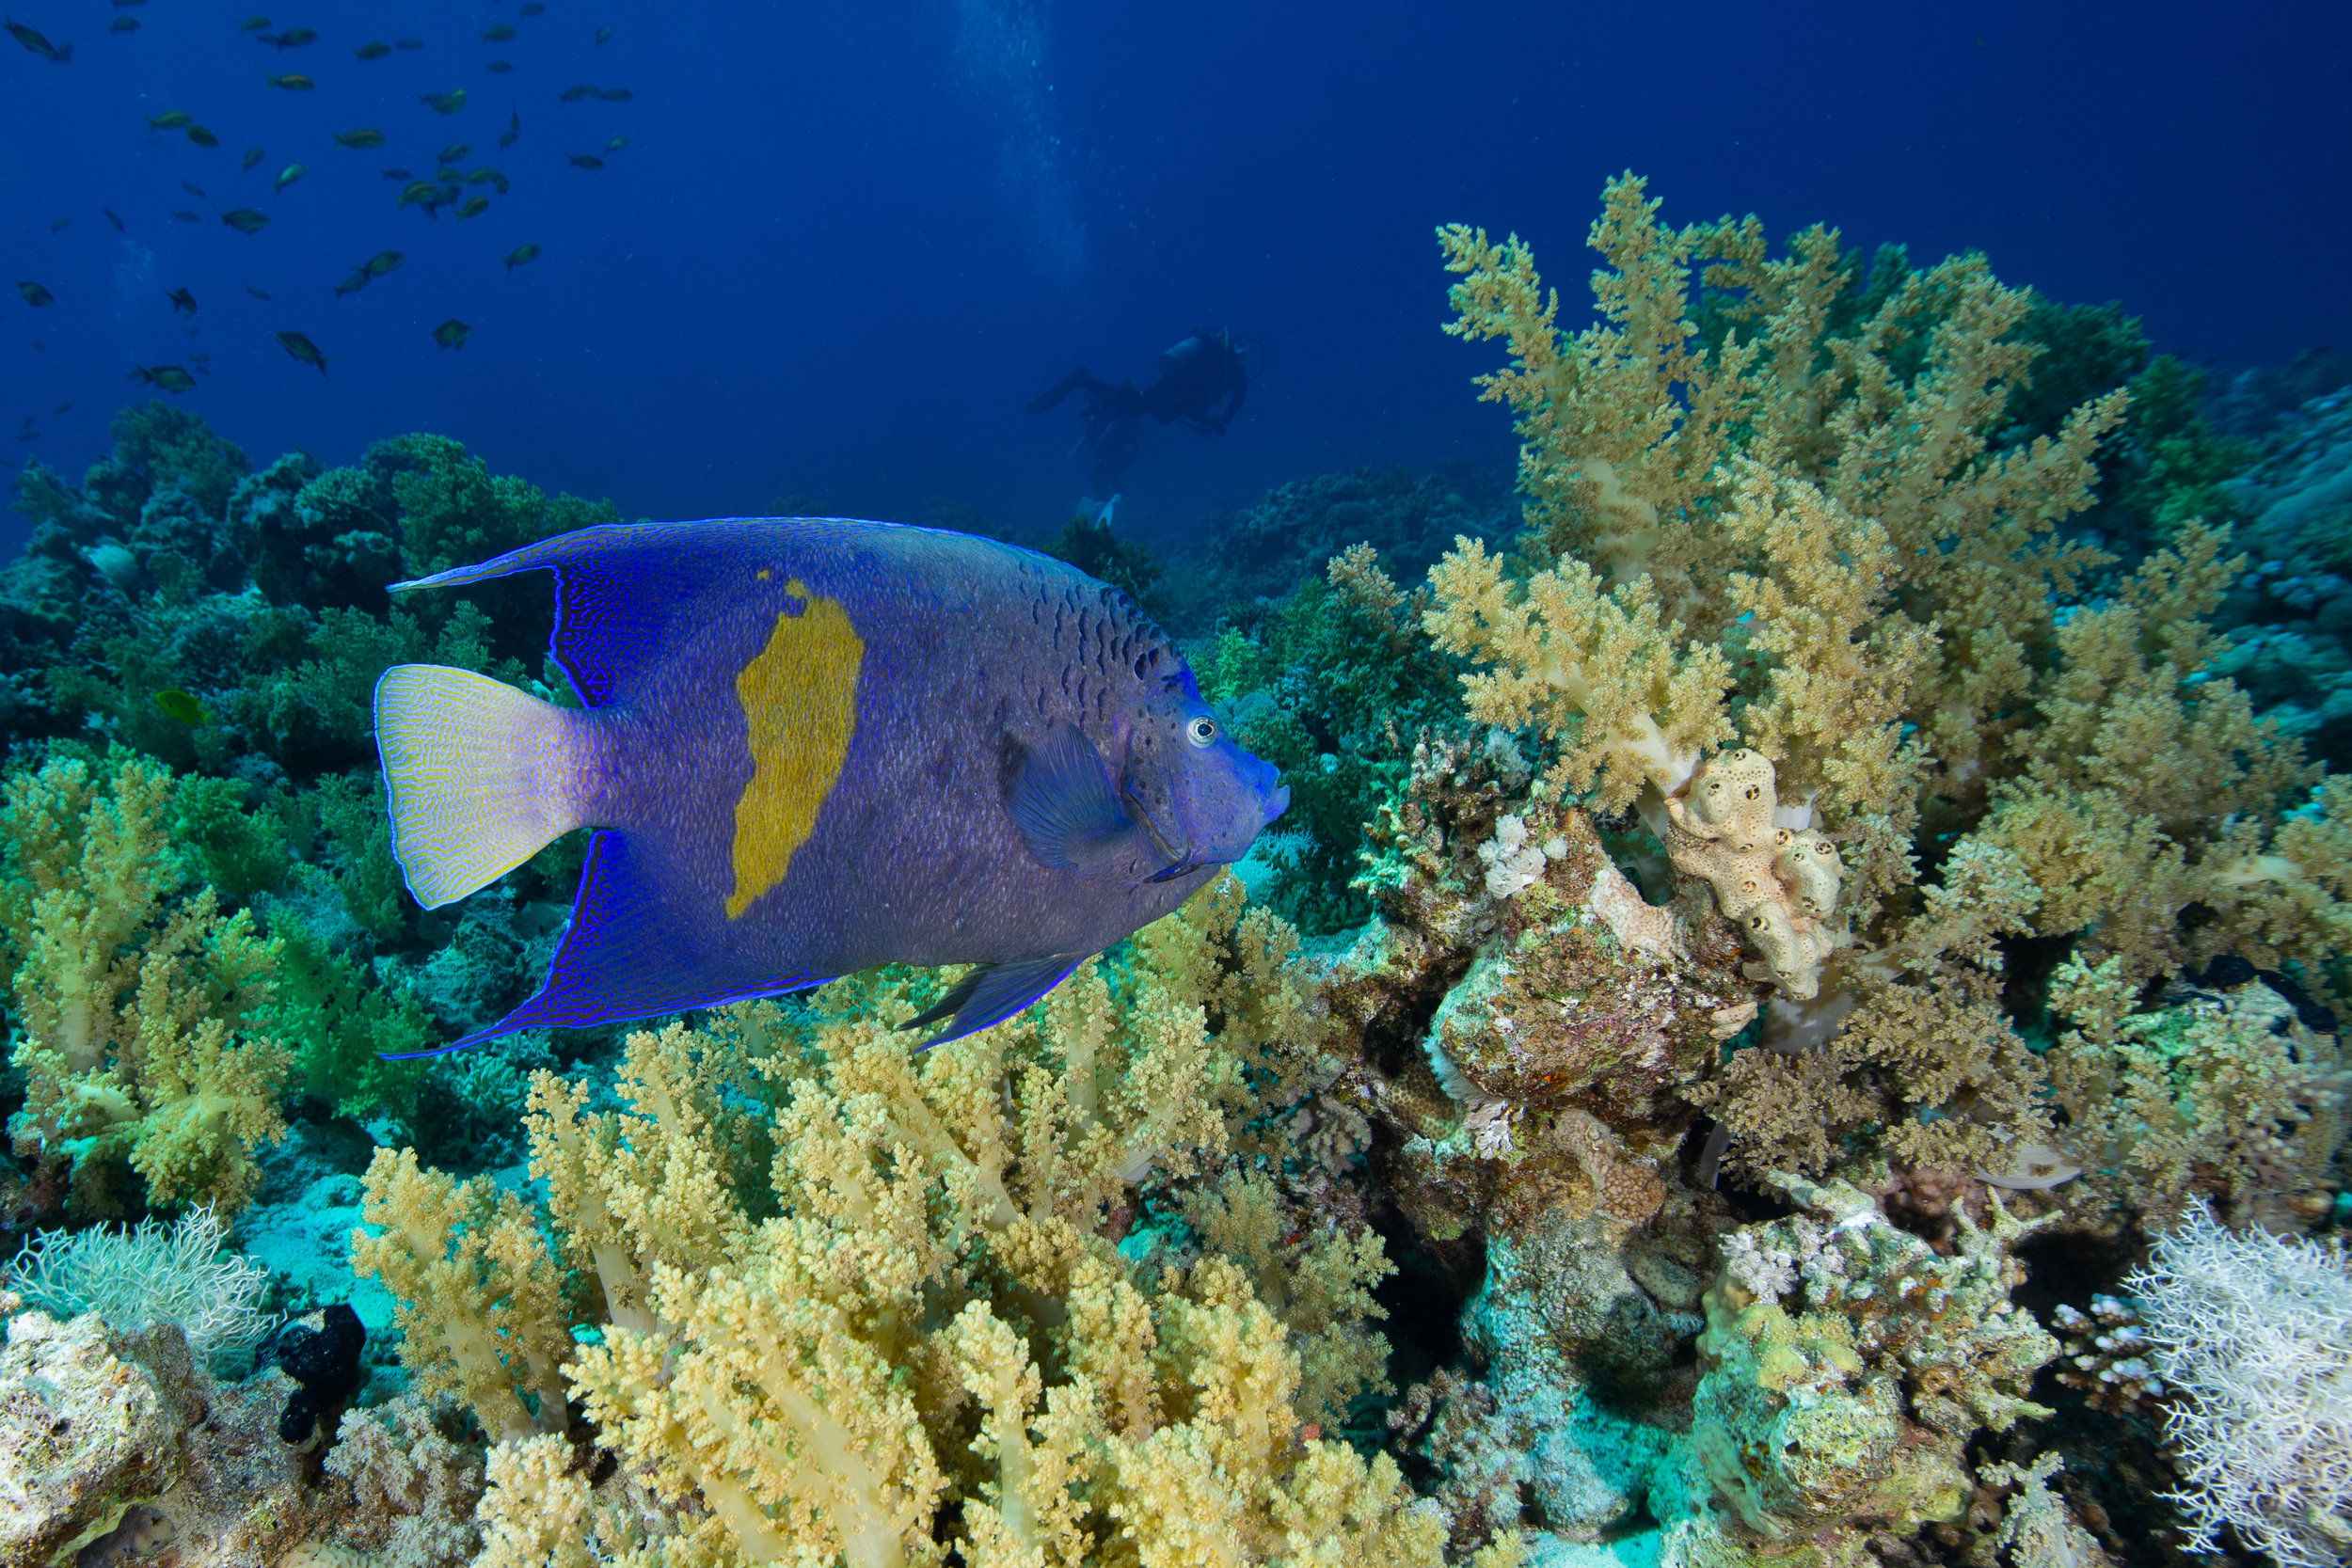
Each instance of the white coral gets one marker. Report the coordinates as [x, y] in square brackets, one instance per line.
[2255, 1335]
[1513, 864]
[134, 1278]
[1767, 1273]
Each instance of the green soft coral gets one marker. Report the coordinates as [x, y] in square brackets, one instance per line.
[1331, 685]
[149, 1043]
[2224, 1098]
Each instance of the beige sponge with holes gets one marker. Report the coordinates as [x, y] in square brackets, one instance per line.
[1778, 884]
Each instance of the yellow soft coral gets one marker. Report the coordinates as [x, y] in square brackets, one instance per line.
[652, 1186]
[2292, 895]
[478, 1299]
[1319, 1284]
[1628, 430]
[826, 1286]
[146, 1044]
[773, 1412]
[1826, 507]
[1843, 664]
[1599, 672]
[1614, 466]
[2149, 788]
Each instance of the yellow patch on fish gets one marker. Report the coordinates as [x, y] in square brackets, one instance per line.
[800, 706]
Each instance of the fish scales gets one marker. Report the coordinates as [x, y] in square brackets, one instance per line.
[814, 746]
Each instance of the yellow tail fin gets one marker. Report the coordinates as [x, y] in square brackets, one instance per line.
[478, 777]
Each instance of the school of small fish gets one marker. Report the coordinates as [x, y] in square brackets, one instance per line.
[452, 183]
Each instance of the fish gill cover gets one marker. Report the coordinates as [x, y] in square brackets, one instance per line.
[1789, 1013]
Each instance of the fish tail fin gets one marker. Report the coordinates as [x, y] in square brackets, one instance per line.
[478, 777]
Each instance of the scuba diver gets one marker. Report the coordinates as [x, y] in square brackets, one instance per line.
[1201, 383]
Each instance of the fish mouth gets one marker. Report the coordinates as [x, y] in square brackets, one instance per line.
[1277, 801]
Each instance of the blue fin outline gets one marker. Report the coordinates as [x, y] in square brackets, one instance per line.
[992, 993]
[607, 931]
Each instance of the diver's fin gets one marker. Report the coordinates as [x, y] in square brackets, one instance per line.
[478, 777]
[1058, 794]
[992, 993]
[623, 958]
[1045, 400]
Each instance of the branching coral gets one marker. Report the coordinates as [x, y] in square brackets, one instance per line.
[836, 1285]
[149, 1043]
[479, 1299]
[1627, 427]
[2252, 1333]
[2225, 1096]
[1825, 503]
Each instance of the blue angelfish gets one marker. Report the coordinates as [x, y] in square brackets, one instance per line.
[811, 746]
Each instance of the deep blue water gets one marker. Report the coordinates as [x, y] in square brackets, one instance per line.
[845, 243]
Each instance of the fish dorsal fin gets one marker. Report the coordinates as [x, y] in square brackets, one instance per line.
[1058, 794]
[992, 993]
[621, 586]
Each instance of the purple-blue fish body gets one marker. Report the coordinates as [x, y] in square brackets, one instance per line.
[812, 746]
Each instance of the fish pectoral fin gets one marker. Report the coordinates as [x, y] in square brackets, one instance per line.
[992, 993]
[1058, 794]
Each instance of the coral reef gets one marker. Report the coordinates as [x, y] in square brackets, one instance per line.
[2289, 616]
[1793, 634]
[1262, 554]
[1846, 1365]
[119, 1448]
[1813, 889]
[228, 626]
[115, 1447]
[1330, 686]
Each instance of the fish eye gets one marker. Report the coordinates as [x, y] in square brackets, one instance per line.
[1201, 730]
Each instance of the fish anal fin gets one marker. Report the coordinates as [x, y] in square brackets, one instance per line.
[622, 957]
[992, 993]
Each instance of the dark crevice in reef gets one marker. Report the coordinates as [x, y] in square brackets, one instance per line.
[1423, 1299]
